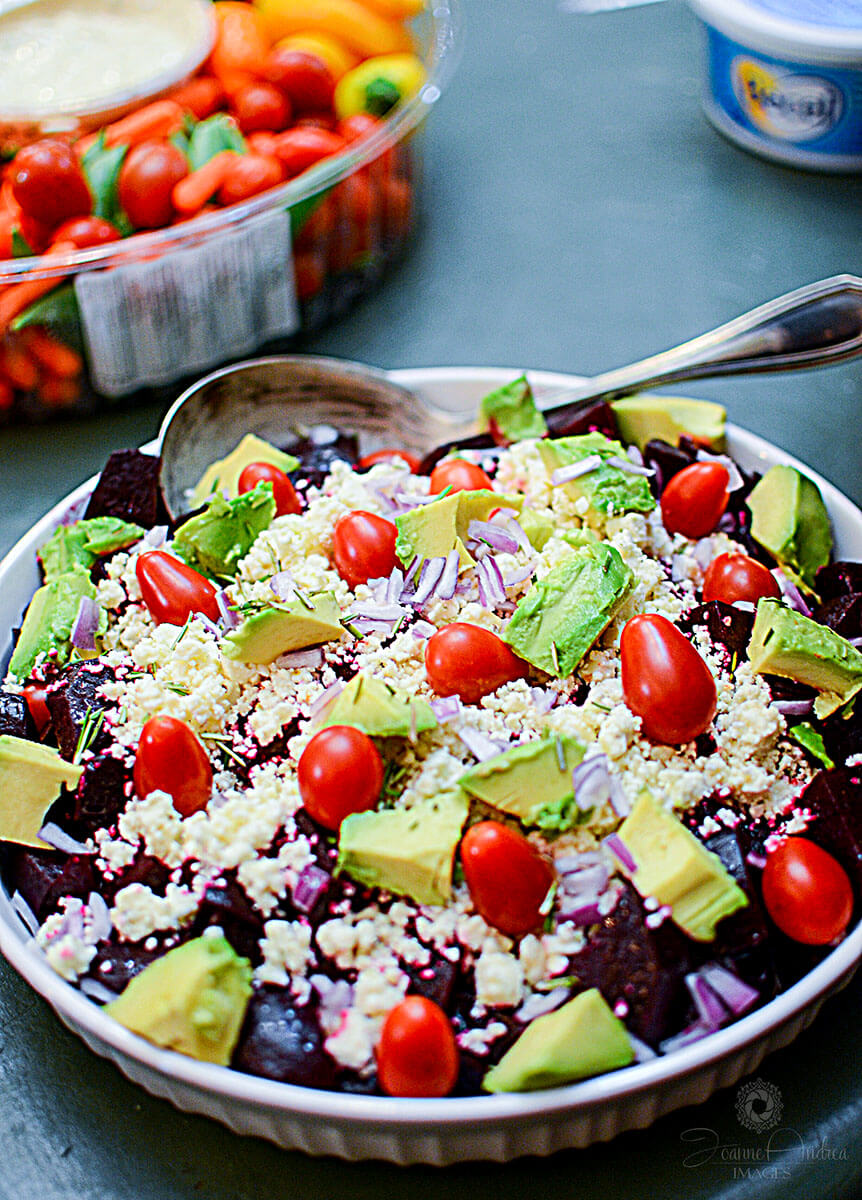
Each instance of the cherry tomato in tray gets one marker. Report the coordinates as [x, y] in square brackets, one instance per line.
[695, 498]
[85, 232]
[171, 590]
[458, 475]
[665, 681]
[286, 499]
[417, 1054]
[146, 182]
[732, 577]
[469, 661]
[807, 892]
[507, 877]
[48, 183]
[390, 456]
[340, 772]
[171, 759]
[363, 547]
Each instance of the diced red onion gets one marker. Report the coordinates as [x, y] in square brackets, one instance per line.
[573, 470]
[100, 916]
[794, 708]
[703, 552]
[413, 501]
[591, 782]
[312, 658]
[414, 566]
[730, 989]
[520, 575]
[54, 836]
[744, 605]
[449, 578]
[634, 455]
[25, 912]
[590, 879]
[621, 852]
[580, 911]
[490, 579]
[94, 990]
[643, 1052]
[229, 618]
[311, 883]
[543, 699]
[208, 624]
[494, 535]
[571, 864]
[856, 642]
[693, 1033]
[791, 593]
[735, 480]
[626, 464]
[540, 1003]
[83, 635]
[325, 698]
[394, 586]
[282, 584]
[378, 612]
[479, 745]
[620, 802]
[432, 571]
[756, 860]
[423, 629]
[446, 708]
[518, 534]
[155, 537]
[335, 996]
[710, 1010]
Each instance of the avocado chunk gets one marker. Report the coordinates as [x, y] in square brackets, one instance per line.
[279, 628]
[192, 1000]
[49, 620]
[408, 851]
[676, 869]
[433, 530]
[561, 616]
[609, 490]
[580, 1039]
[223, 475]
[789, 519]
[379, 710]
[538, 526]
[215, 540]
[532, 782]
[641, 418]
[511, 412]
[30, 779]
[83, 542]
[784, 642]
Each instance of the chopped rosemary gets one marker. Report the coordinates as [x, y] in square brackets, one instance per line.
[90, 727]
[182, 632]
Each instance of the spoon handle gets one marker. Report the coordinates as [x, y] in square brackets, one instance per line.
[813, 326]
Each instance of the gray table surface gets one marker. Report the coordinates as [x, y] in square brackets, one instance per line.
[580, 213]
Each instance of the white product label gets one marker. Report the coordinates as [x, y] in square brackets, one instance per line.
[152, 322]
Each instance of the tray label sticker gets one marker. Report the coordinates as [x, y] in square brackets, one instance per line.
[152, 322]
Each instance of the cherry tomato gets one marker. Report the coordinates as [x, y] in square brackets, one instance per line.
[469, 661]
[35, 696]
[507, 877]
[695, 498]
[86, 231]
[732, 577]
[147, 178]
[665, 681]
[807, 893]
[300, 148]
[48, 182]
[358, 125]
[260, 105]
[171, 759]
[388, 456]
[305, 77]
[250, 175]
[286, 499]
[171, 590]
[417, 1054]
[340, 772]
[363, 547]
[458, 475]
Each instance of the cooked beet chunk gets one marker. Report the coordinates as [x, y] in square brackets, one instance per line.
[44, 877]
[838, 579]
[742, 939]
[436, 981]
[100, 796]
[72, 700]
[15, 719]
[226, 904]
[117, 961]
[575, 419]
[835, 799]
[318, 451]
[727, 626]
[128, 488]
[281, 1041]
[843, 614]
[639, 966]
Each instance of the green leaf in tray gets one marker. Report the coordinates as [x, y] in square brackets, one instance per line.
[210, 137]
[102, 168]
[58, 310]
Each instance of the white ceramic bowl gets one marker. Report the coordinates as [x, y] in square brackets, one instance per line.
[439, 1132]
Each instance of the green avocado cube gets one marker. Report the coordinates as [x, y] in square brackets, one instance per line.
[369, 704]
[642, 418]
[49, 620]
[433, 530]
[83, 542]
[215, 541]
[292, 625]
[560, 617]
[580, 1039]
[31, 776]
[609, 490]
[406, 851]
[223, 475]
[532, 782]
[789, 519]
[511, 409]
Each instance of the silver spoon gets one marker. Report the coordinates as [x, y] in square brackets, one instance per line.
[284, 396]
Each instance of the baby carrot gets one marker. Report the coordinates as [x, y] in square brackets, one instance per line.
[202, 96]
[53, 355]
[19, 296]
[157, 120]
[191, 194]
[18, 367]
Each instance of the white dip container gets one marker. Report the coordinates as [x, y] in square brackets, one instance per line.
[784, 78]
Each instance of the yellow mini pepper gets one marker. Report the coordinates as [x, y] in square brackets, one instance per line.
[328, 49]
[378, 84]
[361, 29]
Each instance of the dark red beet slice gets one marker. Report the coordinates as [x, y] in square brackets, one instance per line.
[15, 719]
[281, 1041]
[742, 939]
[226, 904]
[843, 614]
[726, 625]
[70, 701]
[835, 797]
[118, 962]
[838, 579]
[44, 877]
[128, 488]
[575, 419]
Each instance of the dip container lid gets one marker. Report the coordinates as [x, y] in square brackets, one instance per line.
[816, 31]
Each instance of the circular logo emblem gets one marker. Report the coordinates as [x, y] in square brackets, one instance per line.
[759, 1105]
[796, 108]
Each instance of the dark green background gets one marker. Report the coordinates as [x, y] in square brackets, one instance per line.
[580, 213]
